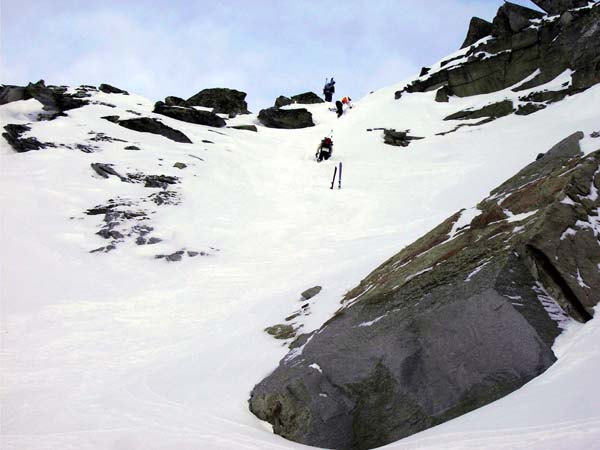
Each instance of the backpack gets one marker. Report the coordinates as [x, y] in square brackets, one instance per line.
[327, 142]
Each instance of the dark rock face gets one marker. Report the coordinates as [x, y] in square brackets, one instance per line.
[516, 53]
[108, 89]
[148, 125]
[9, 93]
[283, 101]
[478, 29]
[512, 18]
[20, 144]
[190, 115]
[286, 118]
[222, 100]
[307, 98]
[442, 95]
[559, 6]
[456, 320]
[494, 110]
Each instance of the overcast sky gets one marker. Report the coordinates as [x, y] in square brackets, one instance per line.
[266, 48]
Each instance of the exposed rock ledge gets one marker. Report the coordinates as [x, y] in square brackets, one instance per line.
[463, 316]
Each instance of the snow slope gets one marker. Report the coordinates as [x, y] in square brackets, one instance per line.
[123, 351]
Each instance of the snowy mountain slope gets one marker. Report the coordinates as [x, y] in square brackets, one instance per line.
[121, 350]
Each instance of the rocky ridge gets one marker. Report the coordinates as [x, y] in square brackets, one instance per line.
[523, 49]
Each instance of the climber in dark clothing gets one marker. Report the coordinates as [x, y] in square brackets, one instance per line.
[329, 89]
[347, 102]
[325, 149]
[340, 108]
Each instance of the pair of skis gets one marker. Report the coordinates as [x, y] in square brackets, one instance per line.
[335, 172]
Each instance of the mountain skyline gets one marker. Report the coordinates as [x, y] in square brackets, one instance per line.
[158, 48]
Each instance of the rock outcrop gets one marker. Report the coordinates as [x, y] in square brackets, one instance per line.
[13, 135]
[106, 171]
[398, 138]
[10, 93]
[310, 293]
[307, 98]
[149, 125]
[244, 127]
[174, 101]
[478, 29]
[54, 98]
[442, 95]
[108, 89]
[559, 6]
[190, 115]
[492, 111]
[286, 118]
[463, 316]
[512, 18]
[222, 100]
[540, 50]
[282, 101]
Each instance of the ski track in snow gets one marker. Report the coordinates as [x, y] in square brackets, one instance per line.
[121, 351]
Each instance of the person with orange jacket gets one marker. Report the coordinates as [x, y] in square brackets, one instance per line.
[346, 101]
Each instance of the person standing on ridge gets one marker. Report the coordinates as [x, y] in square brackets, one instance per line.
[329, 89]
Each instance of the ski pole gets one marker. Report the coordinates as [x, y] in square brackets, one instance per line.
[333, 180]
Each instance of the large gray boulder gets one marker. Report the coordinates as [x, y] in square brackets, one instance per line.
[458, 319]
[190, 115]
[286, 118]
[222, 100]
[307, 98]
[478, 29]
[559, 6]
